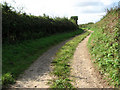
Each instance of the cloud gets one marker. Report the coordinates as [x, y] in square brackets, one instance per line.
[86, 10]
[85, 18]
[90, 9]
[89, 3]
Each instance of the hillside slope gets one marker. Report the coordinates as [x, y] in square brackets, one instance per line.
[104, 46]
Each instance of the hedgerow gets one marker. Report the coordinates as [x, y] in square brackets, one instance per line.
[19, 26]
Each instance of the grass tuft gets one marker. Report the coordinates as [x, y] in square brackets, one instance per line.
[61, 69]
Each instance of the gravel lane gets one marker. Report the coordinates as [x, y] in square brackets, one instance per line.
[38, 74]
[83, 73]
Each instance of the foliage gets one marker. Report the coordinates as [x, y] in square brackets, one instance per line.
[74, 19]
[19, 26]
[104, 46]
[62, 62]
[18, 57]
[7, 79]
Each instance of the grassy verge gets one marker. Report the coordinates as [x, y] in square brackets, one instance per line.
[17, 58]
[61, 68]
[104, 49]
[104, 46]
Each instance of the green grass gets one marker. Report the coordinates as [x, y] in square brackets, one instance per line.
[17, 58]
[104, 46]
[61, 63]
[104, 49]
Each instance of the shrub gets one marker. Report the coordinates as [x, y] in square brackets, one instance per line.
[20, 26]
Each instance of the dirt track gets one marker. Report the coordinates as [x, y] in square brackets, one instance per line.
[37, 75]
[83, 72]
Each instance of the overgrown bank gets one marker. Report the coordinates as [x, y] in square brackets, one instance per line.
[104, 46]
[61, 63]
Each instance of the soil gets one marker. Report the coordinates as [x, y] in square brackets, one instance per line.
[38, 74]
[83, 73]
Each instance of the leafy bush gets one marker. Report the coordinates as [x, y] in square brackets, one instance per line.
[20, 26]
[7, 79]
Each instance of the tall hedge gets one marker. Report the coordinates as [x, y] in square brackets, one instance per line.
[20, 26]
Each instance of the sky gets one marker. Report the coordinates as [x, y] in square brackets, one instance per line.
[86, 10]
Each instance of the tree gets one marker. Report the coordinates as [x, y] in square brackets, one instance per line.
[74, 19]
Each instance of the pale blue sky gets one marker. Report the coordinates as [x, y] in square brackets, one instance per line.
[86, 10]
